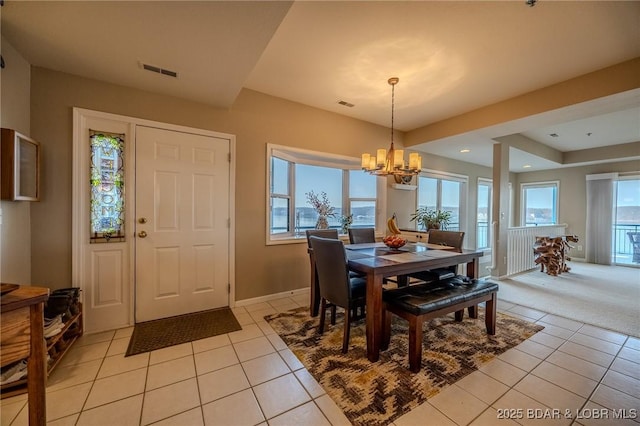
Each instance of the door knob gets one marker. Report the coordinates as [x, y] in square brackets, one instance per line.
[142, 234]
[142, 220]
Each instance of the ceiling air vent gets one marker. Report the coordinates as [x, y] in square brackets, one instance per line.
[159, 70]
[347, 104]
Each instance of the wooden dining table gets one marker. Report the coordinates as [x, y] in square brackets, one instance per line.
[377, 262]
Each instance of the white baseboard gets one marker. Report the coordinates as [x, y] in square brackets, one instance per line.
[296, 292]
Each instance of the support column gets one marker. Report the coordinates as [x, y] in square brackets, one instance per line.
[500, 209]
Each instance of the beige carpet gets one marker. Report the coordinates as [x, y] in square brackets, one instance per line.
[376, 393]
[604, 296]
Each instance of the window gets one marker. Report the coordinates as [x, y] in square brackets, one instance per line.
[317, 179]
[539, 204]
[483, 230]
[444, 191]
[362, 199]
[107, 187]
[294, 172]
[280, 196]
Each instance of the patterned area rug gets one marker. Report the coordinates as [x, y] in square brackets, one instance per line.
[377, 393]
[151, 335]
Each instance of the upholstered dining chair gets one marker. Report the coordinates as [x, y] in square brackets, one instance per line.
[362, 235]
[323, 233]
[336, 287]
[315, 290]
[445, 238]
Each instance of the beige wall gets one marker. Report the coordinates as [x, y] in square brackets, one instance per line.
[15, 231]
[572, 193]
[255, 119]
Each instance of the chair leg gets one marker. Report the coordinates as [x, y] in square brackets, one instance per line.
[386, 330]
[323, 311]
[347, 330]
[402, 280]
[315, 291]
[415, 343]
[333, 315]
[490, 314]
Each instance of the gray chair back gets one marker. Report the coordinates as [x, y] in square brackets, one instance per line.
[323, 233]
[446, 238]
[362, 235]
[332, 269]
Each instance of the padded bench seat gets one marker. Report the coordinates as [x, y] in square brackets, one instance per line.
[420, 303]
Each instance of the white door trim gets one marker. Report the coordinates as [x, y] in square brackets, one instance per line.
[80, 196]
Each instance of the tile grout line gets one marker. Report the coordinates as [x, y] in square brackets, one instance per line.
[602, 378]
[93, 382]
[195, 370]
[291, 371]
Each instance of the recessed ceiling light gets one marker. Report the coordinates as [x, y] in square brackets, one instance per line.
[465, 150]
[526, 166]
[553, 135]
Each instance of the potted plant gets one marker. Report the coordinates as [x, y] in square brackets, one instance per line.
[346, 221]
[428, 218]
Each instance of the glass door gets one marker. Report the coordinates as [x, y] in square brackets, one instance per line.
[626, 227]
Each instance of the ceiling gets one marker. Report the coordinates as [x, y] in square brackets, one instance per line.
[452, 57]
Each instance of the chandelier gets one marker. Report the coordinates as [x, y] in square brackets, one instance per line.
[391, 163]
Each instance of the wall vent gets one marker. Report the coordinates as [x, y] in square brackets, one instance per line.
[347, 104]
[159, 70]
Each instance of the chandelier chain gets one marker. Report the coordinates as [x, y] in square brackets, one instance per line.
[393, 87]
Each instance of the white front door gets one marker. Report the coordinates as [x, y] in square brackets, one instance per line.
[182, 223]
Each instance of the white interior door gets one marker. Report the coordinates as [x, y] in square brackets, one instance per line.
[182, 223]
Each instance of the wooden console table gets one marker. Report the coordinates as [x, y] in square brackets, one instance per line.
[23, 336]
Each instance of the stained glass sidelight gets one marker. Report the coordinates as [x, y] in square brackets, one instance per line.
[107, 187]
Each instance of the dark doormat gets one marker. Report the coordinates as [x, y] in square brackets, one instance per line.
[151, 335]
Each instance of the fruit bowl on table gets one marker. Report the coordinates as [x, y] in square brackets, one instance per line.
[394, 241]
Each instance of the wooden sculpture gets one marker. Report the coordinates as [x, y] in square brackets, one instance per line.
[553, 253]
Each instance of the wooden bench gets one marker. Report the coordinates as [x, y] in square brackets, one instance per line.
[420, 303]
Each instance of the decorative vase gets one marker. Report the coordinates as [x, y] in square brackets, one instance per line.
[322, 222]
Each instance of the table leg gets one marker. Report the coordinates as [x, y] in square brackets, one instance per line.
[472, 268]
[374, 316]
[472, 272]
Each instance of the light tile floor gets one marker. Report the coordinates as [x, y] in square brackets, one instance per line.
[249, 377]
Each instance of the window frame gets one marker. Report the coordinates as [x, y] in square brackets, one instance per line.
[289, 197]
[314, 158]
[523, 200]
[463, 196]
[347, 199]
[101, 177]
